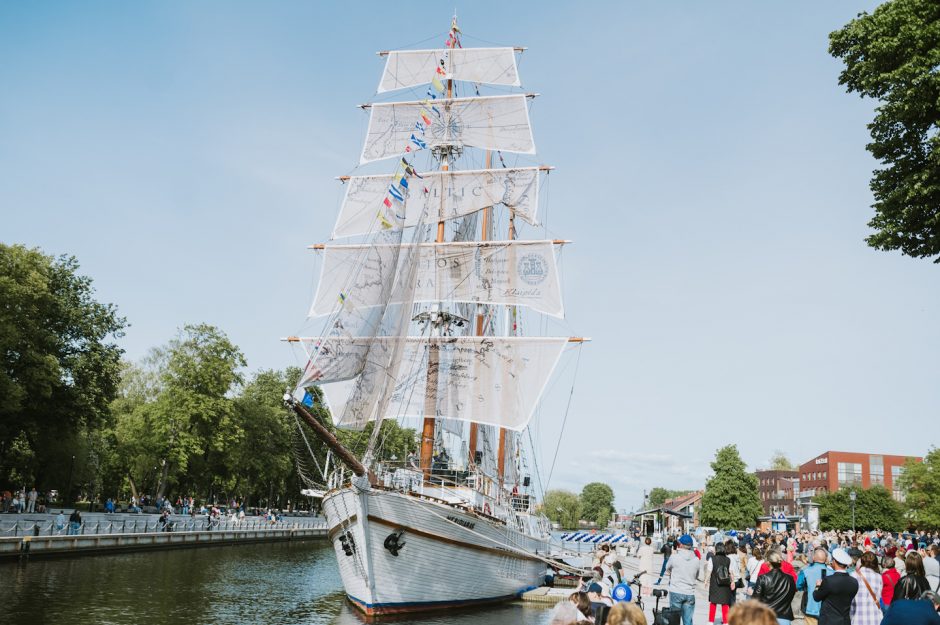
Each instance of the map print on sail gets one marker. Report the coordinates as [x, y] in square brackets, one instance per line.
[463, 193]
[493, 272]
[409, 68]
[489, 122]
[490, 380]
[334, 357]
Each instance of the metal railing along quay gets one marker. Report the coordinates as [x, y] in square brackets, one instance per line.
[144, 526]
[26, 538]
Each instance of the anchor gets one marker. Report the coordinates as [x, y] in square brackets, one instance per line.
[393, 542]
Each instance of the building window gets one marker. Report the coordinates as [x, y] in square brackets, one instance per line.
[896, 492]
[876, 470]
[850, 473]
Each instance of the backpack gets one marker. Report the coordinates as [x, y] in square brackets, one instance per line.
[722, 575]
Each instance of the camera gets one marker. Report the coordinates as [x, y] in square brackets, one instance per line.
[660, 592]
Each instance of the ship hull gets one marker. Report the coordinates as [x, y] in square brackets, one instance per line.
[448, 557]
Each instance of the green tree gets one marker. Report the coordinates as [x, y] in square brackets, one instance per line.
[133, 454]
[780, 462]
[562, 507]
[59, 364]
[920, 484]
[730, 500]
[194, 409]
[874, 509]
[659, 495]
[597, 503]
[393, 444]
[260, 460]
[174, 419]
[892, 56]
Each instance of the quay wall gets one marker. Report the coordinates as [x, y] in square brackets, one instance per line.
[39, 546]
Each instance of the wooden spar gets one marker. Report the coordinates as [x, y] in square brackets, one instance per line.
[368, 105]
[540, 168]
[327, 437]
[301, 339]
[434, 353]
[484, 229]
[387, 52]
[322, 246]
[501, 454]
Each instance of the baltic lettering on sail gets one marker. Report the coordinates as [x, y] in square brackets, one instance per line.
[515, 273]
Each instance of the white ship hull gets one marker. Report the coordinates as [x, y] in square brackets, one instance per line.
[451, 557]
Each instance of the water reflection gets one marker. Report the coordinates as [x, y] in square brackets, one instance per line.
[295, 583]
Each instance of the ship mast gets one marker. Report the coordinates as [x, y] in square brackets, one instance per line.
[481, 310]
[428, 428]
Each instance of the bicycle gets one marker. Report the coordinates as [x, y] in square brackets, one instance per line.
[639, 589]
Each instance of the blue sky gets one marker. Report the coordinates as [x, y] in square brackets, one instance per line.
[710, 171]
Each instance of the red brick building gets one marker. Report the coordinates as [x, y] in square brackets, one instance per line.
[778, 490]
[832, 470]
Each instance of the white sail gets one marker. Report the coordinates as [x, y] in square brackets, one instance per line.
[449, 195]
[490, 122]
[484, 379]
[410, 68]
[517, 273]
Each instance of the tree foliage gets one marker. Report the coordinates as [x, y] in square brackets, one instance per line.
[562, 507]
[780, 462]
[659, 495]
[597, 503]
[60, 364]
[730, 500]
[891, 55]
[874, 509]
[920, 484]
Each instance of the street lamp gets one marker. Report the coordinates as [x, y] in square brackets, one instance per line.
[68, 491]
[852, 497]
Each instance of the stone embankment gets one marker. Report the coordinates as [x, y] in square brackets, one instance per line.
[38, 535]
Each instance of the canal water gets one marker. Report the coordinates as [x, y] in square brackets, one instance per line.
[289, 583]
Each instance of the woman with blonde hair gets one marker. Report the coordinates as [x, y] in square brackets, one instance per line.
[625, 613]
[751, 613]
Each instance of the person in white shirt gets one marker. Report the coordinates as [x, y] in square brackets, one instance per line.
[753, 567]
[932, 567]
[645, 554]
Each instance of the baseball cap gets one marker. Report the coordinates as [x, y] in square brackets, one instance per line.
[595, 587]
[686, 540]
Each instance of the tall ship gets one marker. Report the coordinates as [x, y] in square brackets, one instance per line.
[425, 290]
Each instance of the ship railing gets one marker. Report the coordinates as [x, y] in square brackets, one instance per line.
[506, 507]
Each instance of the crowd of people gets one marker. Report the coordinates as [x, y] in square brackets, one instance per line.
[22, 501]
[754, 578]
